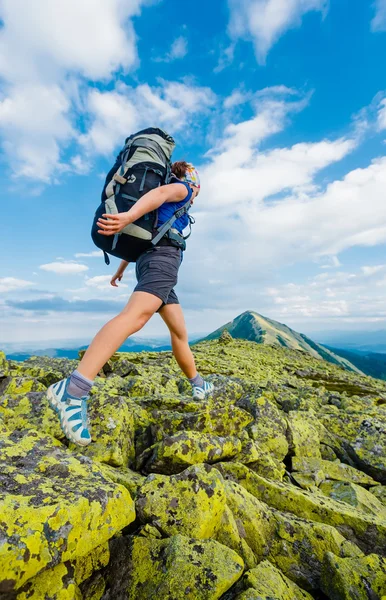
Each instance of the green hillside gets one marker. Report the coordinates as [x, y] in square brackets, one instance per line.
[254, 327]
[274, 487]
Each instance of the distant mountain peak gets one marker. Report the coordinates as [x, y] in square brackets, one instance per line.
[251, 325]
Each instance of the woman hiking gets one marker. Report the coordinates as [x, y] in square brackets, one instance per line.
[156, 273]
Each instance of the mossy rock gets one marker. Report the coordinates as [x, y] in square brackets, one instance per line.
[356, 496]
[303, 434]
[112, 430]
[298, 547]
[4, 366]
[368, 532]
[226, 421]
[20, 385]
[259, 461]
[131, 480]
[57, 583]
[30, 411]
[191, 503]
[231, 533]
[56, 507]
[176, 568]
[379, 492]
[268, 582]
[175, 453]
[335, 471]
[45, 369]
[269, 427]
[360, 578]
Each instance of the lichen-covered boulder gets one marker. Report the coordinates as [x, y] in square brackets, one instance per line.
[361, 528]
[130, 479]
[30, 411]
[4, 366]
[62, 581]
[268, 583]
[112, 431]
[175, 453]
[362, 578]
[231, 533]
[54, 507]
[368, 449]
[225, 338]
[303, 434]
[20, 385]
[379, 492]
[224, 421]
[298, 547]
[355, 495]
[191, 503]
[226, 390]
[177, 568]
[360, 438]
[44, 369]
[335, 471]
[269, 427]
[258, 460]
[57, 583]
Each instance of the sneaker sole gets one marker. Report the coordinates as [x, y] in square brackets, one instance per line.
[55, 405]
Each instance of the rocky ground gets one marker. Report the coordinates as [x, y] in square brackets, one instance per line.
[274, 489]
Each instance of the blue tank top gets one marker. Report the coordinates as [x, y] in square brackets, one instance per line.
[167, 209]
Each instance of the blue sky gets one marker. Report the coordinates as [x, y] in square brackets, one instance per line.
[280, 103]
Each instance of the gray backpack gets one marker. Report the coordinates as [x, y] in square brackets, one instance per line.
[143, 164]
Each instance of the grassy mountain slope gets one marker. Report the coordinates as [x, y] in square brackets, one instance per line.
[254, 327]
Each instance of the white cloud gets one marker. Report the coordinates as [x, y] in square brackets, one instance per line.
[51, 59]
[10, 284]
[171, 104]
[265, 21]
[369, 271]
[379, 21]
[381, 121]
[94, 253]
[178, 50]
[236, 98]
[64, 268]
[238, 173]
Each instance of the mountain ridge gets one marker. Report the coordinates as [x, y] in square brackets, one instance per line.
[252, 326]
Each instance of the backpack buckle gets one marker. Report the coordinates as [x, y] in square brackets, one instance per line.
[119, 179]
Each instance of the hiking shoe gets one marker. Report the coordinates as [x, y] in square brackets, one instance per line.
[200, 393]
[72, 412]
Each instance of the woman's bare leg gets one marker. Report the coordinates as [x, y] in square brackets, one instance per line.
[174, 318]
[139, 309]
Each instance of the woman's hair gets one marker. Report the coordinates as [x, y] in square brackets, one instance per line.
[179, 168]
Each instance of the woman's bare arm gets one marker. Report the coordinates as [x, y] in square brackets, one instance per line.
[112, 224]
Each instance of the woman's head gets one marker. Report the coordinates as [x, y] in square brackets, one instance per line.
[186, 172]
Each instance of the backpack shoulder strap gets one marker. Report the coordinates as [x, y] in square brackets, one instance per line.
[177, 214]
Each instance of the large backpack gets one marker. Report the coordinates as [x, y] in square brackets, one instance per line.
[142, 165]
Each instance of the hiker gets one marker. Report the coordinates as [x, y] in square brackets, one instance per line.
[156, 273]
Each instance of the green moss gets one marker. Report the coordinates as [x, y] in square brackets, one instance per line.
[354, 578]
[269, 582]
[177, 452]
[180, 568]
[191, 503]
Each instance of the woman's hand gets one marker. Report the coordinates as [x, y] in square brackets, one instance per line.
[112, 224]
[118, 275]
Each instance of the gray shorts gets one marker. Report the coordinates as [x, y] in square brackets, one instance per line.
[157, 273]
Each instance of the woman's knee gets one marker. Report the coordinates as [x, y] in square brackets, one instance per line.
[179, 335]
